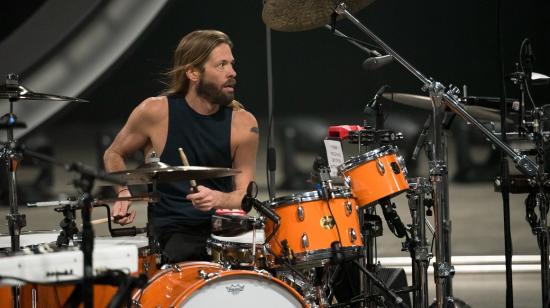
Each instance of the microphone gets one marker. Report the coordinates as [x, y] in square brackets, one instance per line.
[395, 224]
[250, 202]
[374, 63]
[421, 137]
[371, 52]
[368, 108]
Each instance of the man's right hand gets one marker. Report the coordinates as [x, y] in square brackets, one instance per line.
[122, 208]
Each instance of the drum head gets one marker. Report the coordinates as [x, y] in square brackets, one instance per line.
[240, 289]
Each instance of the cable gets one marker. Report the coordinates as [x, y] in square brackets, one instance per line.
[527, 78]
[335, 222]
[349, 38]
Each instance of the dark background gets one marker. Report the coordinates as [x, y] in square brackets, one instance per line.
[318, 79]
[315, 73]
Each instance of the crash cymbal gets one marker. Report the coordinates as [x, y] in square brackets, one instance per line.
[165, 173]
[293, 16]
[20, 93]
[425, 102]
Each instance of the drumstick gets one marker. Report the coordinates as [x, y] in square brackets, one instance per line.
[185, 162]
[104, 220]
[100, 221]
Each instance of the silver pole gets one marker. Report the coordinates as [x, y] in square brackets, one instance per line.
[523, 163]
[419, 187]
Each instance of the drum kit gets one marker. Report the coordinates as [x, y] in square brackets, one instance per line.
[294, 251]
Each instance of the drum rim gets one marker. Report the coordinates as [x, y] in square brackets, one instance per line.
[356, 161]
[217, 243]
[31, 232]
[308, 196]
[201, 264]
[320, 257]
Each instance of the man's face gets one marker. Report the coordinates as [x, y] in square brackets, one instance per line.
[217, 80]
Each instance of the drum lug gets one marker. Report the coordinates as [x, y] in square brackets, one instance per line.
[176, 268]
[349, 207]
[380, 167]
[206, 276]
[347, 181]
[305, 240]
[352, 235]
[300, 212]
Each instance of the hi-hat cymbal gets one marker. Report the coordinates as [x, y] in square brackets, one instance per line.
[425, 102]
[165, 173]
[18, 92]
[293, 16]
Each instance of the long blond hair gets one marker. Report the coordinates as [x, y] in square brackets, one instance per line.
[192, 52]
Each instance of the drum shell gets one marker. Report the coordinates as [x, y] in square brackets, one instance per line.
[314, 224]
[375, 175]
[174, 286]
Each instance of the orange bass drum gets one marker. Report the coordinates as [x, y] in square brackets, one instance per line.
[205, 284]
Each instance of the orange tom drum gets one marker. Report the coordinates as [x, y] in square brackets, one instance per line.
[377, 174]
[205, 284]
[310, 224]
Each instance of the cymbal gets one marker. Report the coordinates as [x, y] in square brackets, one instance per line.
[293, 16]
[18, 92]
[425, 102]
[161, 172]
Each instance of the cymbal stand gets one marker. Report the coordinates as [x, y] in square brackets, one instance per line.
[11, 157]
[539, 197]
[441, 97]
[419, 247]
[84, 184]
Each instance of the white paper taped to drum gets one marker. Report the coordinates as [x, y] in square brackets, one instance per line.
[335, 155]
[245, 238]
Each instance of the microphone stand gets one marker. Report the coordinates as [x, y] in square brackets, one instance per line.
[271, 153]
[443, 269]
[84, 184]
[10, 158]
[504, 171]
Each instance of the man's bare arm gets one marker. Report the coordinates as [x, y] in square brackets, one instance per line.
[244, 160]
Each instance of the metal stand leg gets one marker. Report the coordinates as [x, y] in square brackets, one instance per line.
[420, 253]
[443, 270]
[371, 228]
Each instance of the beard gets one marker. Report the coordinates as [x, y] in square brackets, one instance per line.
[215, 94]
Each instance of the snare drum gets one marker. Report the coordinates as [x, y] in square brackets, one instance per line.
[232, 238]
[310, 224]
[377, 174]
[29, 239]
[43, 295]
[236, 251]
[204, 284]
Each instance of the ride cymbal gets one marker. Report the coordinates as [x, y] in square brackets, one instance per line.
[425, 102]
[293, 16]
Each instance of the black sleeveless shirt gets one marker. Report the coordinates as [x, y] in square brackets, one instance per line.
[206, 141]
